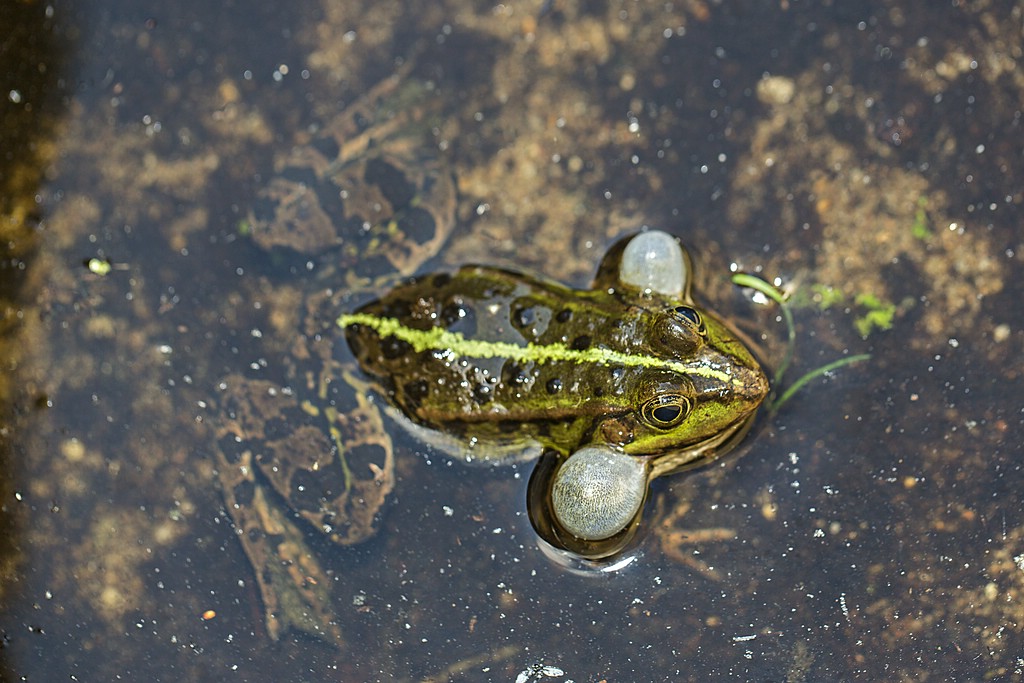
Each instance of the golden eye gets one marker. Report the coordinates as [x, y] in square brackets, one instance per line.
[666, 410]
[692, 318]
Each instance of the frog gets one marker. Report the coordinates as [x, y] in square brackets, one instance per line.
[607, 387]
[611, 386]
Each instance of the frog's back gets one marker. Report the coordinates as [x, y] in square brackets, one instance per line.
[482, 352]
[493, 357]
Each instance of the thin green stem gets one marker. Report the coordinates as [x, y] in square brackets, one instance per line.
[759, 285]
[818, 372]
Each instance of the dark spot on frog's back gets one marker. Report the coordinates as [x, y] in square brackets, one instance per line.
[393, 348]
[523, 316]
[452, 312]
[483, 393]
[531, 317]
[354, 337]
[513, 373]
[391, 307]
[457, 316]
[415, 391]
[582, 342]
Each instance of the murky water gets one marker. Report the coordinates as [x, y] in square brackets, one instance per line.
[865, 154]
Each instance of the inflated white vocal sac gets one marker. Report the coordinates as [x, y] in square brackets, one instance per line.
[654, 260]
[598, 491]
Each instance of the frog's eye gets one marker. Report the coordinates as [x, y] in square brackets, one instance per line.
[692, 318]
[665, 411]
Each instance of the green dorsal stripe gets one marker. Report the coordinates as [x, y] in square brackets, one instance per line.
[439, 339]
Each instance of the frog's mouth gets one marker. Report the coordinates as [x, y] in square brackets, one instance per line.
[706, 452]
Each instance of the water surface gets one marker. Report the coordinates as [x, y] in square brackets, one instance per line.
[866, 155]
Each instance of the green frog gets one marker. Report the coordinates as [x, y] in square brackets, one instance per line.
[610, 386]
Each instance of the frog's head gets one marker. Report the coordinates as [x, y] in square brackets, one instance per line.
[692, 401]
[700, 384]
[699, 387]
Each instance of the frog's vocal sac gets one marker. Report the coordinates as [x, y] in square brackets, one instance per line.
[611, 386]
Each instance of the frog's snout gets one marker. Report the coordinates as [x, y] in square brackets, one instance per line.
[750, 383]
